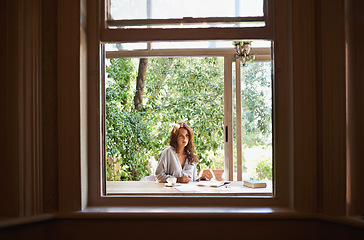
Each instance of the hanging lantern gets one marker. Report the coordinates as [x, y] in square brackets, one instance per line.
[243, 52]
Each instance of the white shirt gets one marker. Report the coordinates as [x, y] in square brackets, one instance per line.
[169, 166]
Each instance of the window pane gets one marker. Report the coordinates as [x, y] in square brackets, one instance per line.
[167, 9]
[193, 25]
[256, 109]
[221, 44]
[193, 45]
[125, 46]
[256, 121]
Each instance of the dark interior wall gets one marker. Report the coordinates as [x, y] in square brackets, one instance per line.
[356, 96]
[182, 229]
[8, 104]
[49, 106]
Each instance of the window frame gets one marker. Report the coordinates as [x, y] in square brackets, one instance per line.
[98, 33]
[170, 34]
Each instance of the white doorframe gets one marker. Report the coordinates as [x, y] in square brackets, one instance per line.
[228, 118]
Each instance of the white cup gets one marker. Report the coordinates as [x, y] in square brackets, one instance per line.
[172, 180]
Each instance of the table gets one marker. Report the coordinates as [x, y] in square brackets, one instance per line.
[236, 188]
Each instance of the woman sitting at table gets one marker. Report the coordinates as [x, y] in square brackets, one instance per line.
[179, 159]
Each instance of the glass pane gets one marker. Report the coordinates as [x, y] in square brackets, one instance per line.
[256, 110]
[182, 45]
[194, 25]
[193, 45]
[168, 9]
[125, 46]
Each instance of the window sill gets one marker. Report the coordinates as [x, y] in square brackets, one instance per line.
[16, 221]
[354, 221]
[207, 213]
[185, 212]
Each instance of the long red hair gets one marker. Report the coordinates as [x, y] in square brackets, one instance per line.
[190, 148]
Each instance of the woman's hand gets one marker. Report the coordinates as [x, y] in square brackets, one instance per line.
[203, 178]
[183, 179]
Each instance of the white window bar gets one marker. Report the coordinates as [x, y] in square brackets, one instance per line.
[185, 20]
[261, 54]
[238, 121]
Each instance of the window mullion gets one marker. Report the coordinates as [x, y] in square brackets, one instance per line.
[182, 34]
[238, 122]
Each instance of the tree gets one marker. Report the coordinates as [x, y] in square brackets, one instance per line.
[256, 104]
[138, 98]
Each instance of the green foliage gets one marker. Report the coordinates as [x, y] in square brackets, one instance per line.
[120, 74]
[264, 170]
[127, 133]
[256, 109]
